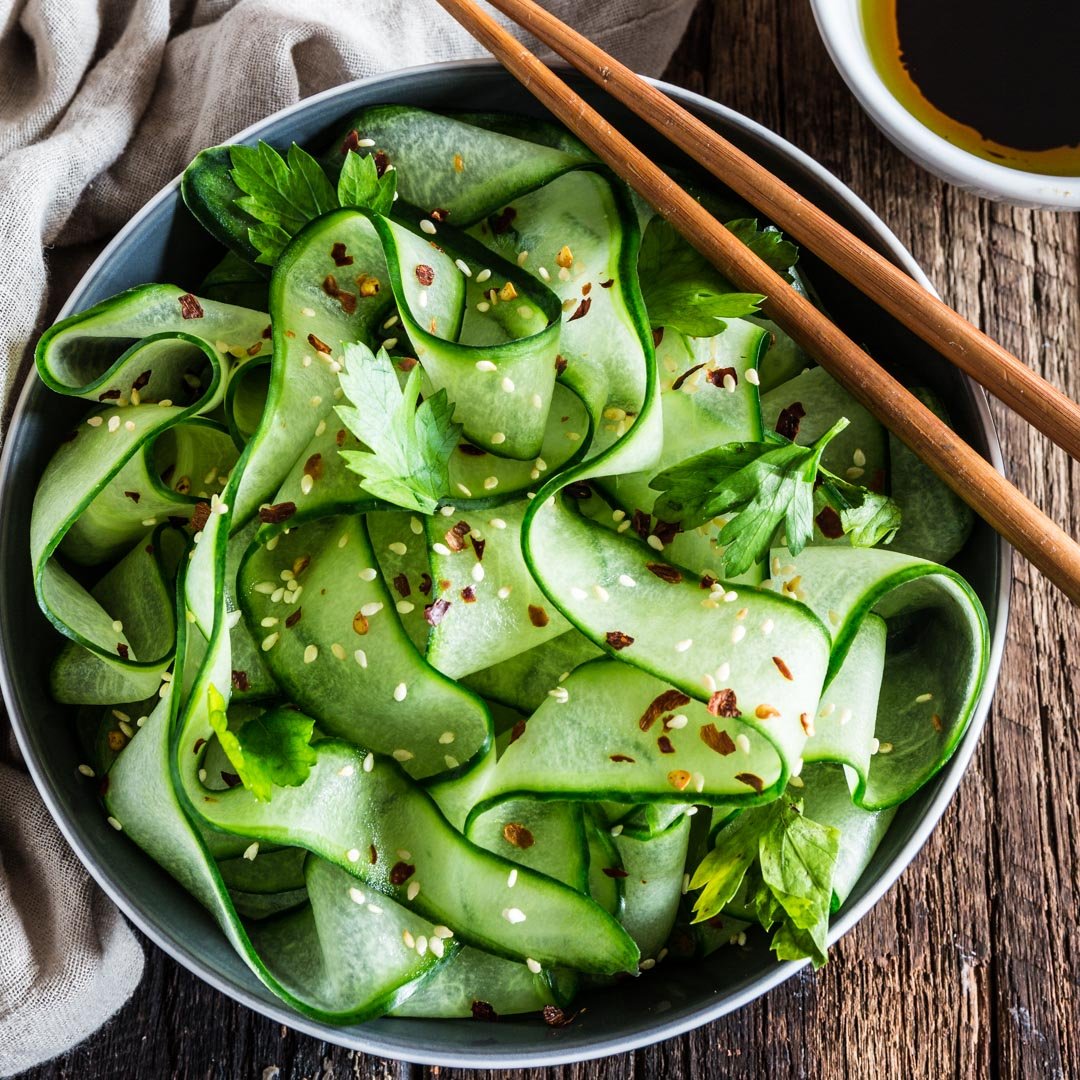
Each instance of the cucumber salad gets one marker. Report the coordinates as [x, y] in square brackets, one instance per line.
[470, 597]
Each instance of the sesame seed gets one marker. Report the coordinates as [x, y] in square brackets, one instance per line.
[573, 436]
[623, 526]
[410, 941]
[413, 890]
[875, 746]
[311, 654]
[708, 682]
[129, 425]
[511, 878]
[508, 385]
[541, 464]
[164, 403]
[682, 646]
[400, 692]
[738, 633]
[859, 458]
[346, 770]
[369, 574]
[699, 782]
[404, 607]
[251, 851]
[442, 932]
[355, 895]
[767, 626]
[616, 830]
[723, 672]
[398, 548]
[127, 729]
[270, 641]
[513, 915]
[440, 548]
[338, 650]
[752, 376]
[729, 383]
[743, 743]
[742, 613]
[86, 770]
[367, 610]
[392, 321]
[483, 276]
[114, 823]
[685, 884]
[446, 738]
[360, 657]
[655, 542]
[533, 965]
[677, 721]
[600, 592]
[923, 698]
[463, 266]
[437, 947]
[94, 421]
[854, 473]
[428, 227]
[114, 423]
[885, 748]
[369, 762]
[497, 523]
[730, 597]
[490, 483]
[647, 964]
[845, 716]
[578, 593]
[374, 909]
[464, 491]
[504, 592]
[389, 343]
[797, 781]
[483, 306]
[306, 484]
[560, 694]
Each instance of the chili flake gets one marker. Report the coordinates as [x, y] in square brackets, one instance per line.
[338, 254]
[538, 616]
[436, 611]
[317, 345]
[400, 872]
[787, 423]
[664, 572]
[783, 669]
[668, 701]
[723, 703]
[717, 740]
[617, 640]
[190, 308]
[751, 780]
[828, 521]
[425, 274]
[277, 513]
[518, 835]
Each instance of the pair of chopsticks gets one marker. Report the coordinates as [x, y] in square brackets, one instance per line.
[973, 479]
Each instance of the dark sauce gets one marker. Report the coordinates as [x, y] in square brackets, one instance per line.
[997, 78]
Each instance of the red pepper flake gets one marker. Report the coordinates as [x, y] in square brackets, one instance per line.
[292, 619]
[766, 712]
[350, 142]
[240, 681]
[877, 482]
[619, 758]
[607, 284]
[783, 669]
[936, 721]
[122, 649]
[518, 835]
[668, 701]
[560, 364]
[707, 581]
[641, 522]
[657, 337]
[501, 223]
[267, 333]
[538, 616]
[828, 521]
[190, 308]
[665, 745]
[400, 872]
[666, 531]
[751, 780]
[200, 516]
[579, 490]
[109, 395]
[425, 584]
[615, 871]
[471, 451]
[425, 274]
[716, 376]
[723, 703]
[401, 583]
[677, 384]
[720, 741]
[436, 611]
[141, 381]
[582, 309]
[134, 496]
[317, 345]
[439, 214]
[586, 289]
[455, 537]
[807, 726]
[478, 547]
[555, 1017]
[230, 778]
[339, 254]
[664, 572]
[313, 467]
[381, 162]
[482, 1010]
[678, 779]
[468, 594]
[617, 640]
[518, 730]
[277, 512]
[787, 423]
[255, 349]
[340, 437]
[346, 299]
[367, 285]
[199, 744]
[443, 584]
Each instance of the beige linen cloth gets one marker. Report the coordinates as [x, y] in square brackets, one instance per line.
[101, 103]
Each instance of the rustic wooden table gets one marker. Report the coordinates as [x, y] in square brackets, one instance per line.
[969, 965]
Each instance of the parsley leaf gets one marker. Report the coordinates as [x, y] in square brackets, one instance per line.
[682, 289]
[783, 862]
[867, 517]
[764, 484]
[409, 446]
[273, 748]
[359, 184]
[284, 194]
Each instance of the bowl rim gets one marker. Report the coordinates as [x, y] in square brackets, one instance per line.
[378, 1042]
[839, 23]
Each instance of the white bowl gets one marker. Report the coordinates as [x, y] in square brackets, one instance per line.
[841, 27]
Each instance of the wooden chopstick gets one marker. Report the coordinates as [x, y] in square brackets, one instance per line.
[949, 333]
[985, 490]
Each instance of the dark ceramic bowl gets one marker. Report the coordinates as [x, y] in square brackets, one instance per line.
[163, 243]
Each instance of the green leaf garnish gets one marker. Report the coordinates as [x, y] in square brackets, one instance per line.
[867, 517]
[409, 446]
[684, 291]
[272, 748]
[284, 194]
[764, 483]
[785, 863]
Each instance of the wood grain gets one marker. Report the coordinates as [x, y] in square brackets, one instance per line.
[969, 967]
